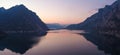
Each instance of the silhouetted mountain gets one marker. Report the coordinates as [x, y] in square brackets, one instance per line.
[107, 20]
[107, 43]
[19, 44]
[2, 9]
[55, 26]
[19, 19]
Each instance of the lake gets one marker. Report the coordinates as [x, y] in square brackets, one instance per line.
[55, 42]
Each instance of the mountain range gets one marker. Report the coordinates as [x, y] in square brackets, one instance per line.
[55, 26]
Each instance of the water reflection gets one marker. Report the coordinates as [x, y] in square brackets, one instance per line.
[57, 42]
[108, 43]
[18, 43]
[64, 42]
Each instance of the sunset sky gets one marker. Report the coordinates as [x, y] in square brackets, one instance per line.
[60, 11]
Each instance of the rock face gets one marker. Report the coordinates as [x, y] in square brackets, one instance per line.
[19, 19]
[107, 20]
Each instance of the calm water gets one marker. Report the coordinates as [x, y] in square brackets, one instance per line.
[57, 42]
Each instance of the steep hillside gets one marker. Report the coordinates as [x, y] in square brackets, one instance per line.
[107, 21]
[20, 19]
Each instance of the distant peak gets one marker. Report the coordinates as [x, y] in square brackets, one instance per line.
[21, 5]
[2, 9]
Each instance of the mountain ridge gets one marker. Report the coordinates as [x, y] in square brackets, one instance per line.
[20, 19]
[106, 20]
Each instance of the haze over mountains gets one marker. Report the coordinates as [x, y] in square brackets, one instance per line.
[107, 20]
[55, 26]
[19, 19]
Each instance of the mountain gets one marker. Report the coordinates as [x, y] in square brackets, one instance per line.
[2, 9]
[107, 21]
[19, 19]
[55, 26]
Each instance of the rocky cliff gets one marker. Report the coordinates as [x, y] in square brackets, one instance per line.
[107, 20]
[19, 19]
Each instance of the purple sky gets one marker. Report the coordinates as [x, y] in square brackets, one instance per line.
[60, 11]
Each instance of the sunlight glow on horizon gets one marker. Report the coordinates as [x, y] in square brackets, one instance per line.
[60, 11]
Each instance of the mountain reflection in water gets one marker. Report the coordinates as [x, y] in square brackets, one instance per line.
[107, 43]
[60, 42]
[18, 44]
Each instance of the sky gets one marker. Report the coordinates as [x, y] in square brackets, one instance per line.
[60, 11]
